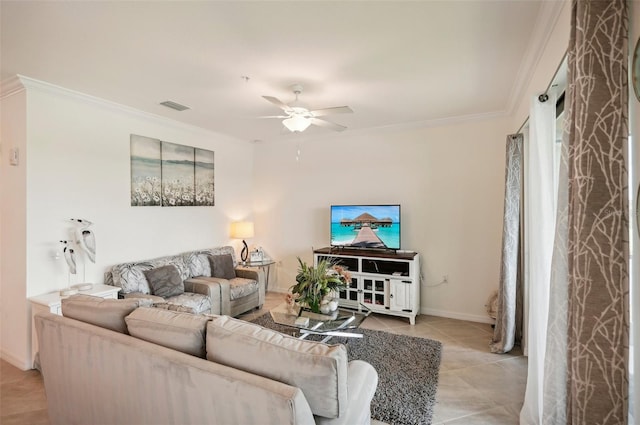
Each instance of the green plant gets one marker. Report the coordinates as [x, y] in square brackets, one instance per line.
[314, 283]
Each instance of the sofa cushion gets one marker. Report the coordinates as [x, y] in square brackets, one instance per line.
[222, 266]
[222, 250]
[106, 313]
[180, 331]
[198, 302]
[198, 263]
[174, 307]
[165, 281]
[240, 287]
[130, 276]
[319, 370]
[154, 299]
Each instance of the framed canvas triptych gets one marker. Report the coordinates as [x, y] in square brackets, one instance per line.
[170, 175]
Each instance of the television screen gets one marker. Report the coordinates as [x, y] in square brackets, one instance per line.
[365, 226]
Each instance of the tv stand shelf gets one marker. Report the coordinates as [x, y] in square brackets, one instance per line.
[387, 282]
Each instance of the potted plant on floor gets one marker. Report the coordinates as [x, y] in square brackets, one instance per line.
[315, 285]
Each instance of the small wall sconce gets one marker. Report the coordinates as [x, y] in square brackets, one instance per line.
[242, 230]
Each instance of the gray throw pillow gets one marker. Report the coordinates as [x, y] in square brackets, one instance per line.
[165, 281]
[222, 266]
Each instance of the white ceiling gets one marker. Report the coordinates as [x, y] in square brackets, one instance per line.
[395, 63]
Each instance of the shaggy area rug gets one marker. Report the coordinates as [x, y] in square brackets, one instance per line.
[407, 371]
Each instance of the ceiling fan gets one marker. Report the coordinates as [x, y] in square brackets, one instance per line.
[299, 118]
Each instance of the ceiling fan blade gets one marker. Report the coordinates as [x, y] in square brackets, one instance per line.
[329, 111]
[327, 124]
[274, 116]
[278, 103]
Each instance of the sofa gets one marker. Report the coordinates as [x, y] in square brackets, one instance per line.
[113, 362]
[202, 281]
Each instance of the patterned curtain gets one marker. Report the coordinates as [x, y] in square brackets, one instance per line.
[586, 364]
[509, 315]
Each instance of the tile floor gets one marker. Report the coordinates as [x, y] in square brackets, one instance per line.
[476, 387]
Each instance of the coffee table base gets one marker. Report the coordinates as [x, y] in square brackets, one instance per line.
[334, 326]
[306, 332]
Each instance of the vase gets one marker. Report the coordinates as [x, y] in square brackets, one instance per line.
[314, 307]
[333, 305]
[328, 304]
[325, 307]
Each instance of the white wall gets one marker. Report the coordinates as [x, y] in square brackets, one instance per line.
[13, 230]
[545, 68]
[77, 165]
[449, 181]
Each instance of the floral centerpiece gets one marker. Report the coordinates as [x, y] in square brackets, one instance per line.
[315, 284]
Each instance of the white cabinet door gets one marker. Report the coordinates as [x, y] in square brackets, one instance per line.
[400, 296]
[352, 295]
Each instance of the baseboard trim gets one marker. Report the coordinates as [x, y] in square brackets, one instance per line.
[429, 311]
[279, 290]
[9, 358]
[458, 316]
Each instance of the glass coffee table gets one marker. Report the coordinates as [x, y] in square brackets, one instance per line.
[310, 323]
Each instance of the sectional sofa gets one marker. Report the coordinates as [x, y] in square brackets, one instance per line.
[202, 281]
[111, 361]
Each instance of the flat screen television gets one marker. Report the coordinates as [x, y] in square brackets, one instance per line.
[365, 226]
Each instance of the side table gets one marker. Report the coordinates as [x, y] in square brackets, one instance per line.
[264, 266]
[52, 302]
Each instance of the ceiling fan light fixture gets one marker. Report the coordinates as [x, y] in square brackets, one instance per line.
[298, 118]
[297, 123]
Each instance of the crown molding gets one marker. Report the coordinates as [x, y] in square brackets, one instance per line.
[395, 128]
[441, 122]
[11, 86]
[550, 12]
[20, 83]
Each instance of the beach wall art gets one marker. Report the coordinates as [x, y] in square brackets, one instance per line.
[170, 175]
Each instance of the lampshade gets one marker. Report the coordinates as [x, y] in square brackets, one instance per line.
[297, 123]
[242, 229]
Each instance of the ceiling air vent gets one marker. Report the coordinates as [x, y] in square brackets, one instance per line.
[174, 105]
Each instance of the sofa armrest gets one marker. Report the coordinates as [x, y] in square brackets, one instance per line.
[362, 383]
[217, 289]
[209, 287]
[246, 273]
[256, 275]
[153, 298]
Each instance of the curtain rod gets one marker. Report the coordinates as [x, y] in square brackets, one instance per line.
[555, 74]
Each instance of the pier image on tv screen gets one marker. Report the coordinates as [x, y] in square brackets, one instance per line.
[365, 226]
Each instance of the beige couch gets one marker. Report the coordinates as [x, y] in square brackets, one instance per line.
[203, 291]
[96, 371]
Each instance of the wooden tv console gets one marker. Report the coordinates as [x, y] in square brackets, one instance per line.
[386, 282]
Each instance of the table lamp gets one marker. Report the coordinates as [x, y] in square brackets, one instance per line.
[242, 230]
